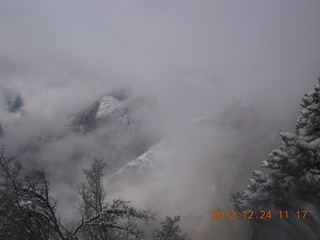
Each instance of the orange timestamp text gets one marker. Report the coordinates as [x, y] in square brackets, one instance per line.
[259, 215]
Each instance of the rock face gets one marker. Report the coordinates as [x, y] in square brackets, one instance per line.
[109, 108]
[11, 100]
[1, 131]
[123, 124]
[115, 108]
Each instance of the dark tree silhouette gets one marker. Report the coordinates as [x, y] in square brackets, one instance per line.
[170, 230]
[28, 211]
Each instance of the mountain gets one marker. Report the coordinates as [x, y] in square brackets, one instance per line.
[124, 129]
[124, 123]
[138, 170]
[105, 109]
[252, 139]
[117, 108]
[11, 103]
[118, 126]
[11, 100]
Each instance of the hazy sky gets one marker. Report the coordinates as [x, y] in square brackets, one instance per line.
[196, 57]
[260, 48]
[62, 55]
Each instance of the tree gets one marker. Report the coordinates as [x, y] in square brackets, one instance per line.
[170, 231]
[294, 167]
[106, 220]
[27, 210]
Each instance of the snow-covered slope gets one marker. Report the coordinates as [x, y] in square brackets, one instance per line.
[138, 170]
[122, 123]
[121, 109]
[107, 106]
[105, 109]
[248, 145]
[115, 126]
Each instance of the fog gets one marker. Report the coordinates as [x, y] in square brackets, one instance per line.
[195, 58]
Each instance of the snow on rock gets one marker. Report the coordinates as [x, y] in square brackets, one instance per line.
[108, 105]
[105, 108]
[151, 160]
[135, 171]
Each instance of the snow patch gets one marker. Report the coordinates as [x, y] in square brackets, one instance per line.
[148, 161]
[107, 106]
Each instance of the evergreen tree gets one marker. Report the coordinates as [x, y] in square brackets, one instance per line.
[170, 231]
[295, 166]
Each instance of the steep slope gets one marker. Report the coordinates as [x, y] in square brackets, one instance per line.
[179, 178]
[122, 122]
[251, 140]
[117, 126]
[138, 170]
[105, 109]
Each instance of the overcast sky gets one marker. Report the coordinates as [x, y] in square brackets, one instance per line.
[63, 55]
[258, 48]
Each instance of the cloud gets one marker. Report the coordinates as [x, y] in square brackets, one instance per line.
[195, 57]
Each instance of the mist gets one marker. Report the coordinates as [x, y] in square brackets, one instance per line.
[195, 59]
